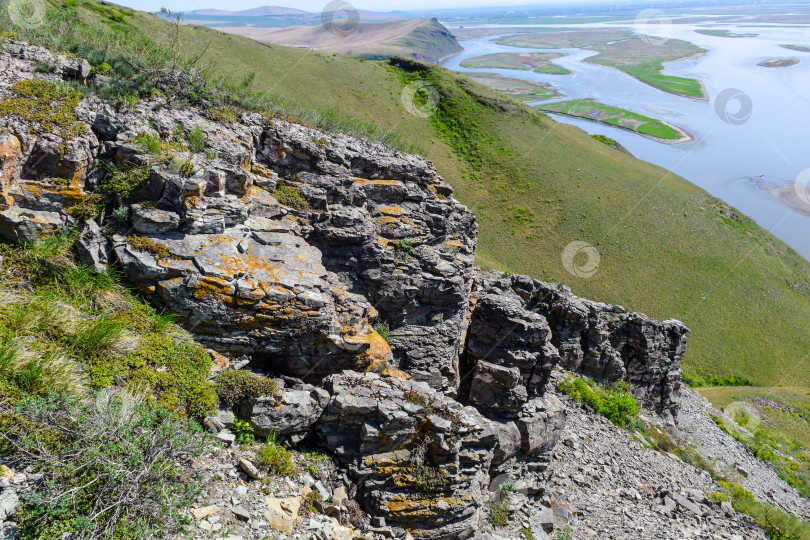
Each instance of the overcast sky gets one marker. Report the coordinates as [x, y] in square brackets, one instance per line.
[318, 5]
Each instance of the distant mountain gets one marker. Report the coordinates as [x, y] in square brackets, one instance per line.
[423, 39]
[277, 17]
[264, 11]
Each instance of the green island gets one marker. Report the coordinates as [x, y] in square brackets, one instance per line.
[526, 91]
[800, 48]
[625, 51]
[779, 62]
[539, 62]
[725, 33]
[590, 109]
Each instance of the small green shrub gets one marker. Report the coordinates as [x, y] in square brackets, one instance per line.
[290, 197]
[148, 143]
[88, 208]
[427, 478]
[777, 523]
[236, 386]
[274, 458]
[498, 515]
[176, 371]
[125, 184]
[182, 167]
[506, 489]
[384, 332]
[121, 214]
[616, 403]
[310, 502]
[243, 431]
[405, 246]
[113, 466]
[196, 139]
[224, 114]
[103, 69]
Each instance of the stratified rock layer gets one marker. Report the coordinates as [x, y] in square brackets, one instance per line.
[522, 327]
[421, 459]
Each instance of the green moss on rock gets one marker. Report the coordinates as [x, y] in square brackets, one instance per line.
[46, 107]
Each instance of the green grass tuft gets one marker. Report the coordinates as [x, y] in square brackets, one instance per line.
[616, 403]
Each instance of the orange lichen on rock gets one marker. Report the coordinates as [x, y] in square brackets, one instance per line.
[389, 210]
[377, 356]
[211, 286]
[10, 156]
[364, 182]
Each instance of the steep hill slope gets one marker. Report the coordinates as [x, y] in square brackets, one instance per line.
[425, 39]
[666, 247]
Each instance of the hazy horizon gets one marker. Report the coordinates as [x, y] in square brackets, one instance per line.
[316, 6]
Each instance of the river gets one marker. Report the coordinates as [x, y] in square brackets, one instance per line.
[733, 162]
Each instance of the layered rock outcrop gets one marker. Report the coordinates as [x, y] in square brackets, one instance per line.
[420, 459]
[521, 328]
[344, 264]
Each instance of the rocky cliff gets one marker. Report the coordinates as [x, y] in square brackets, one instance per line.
[282, 248]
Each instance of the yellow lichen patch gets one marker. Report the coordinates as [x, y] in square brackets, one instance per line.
[211, 286]
[377, 356]
[249, 265]
[364, 182]
[416, 505]
[191, 201]
[389, 210]
[145, 288]
[10, 156]
[262, 171]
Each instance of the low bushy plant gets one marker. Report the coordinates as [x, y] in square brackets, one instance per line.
[384, 332]
[243, 431]
[113, 466]
[498, 515]
[196, 139]
[274, 458]
[290, 197]
[236, 386]
[148, 143]
[616, 402]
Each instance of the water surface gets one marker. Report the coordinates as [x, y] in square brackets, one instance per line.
[732, 162]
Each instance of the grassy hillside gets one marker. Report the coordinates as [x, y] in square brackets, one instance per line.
[426, 39]
[667, 247]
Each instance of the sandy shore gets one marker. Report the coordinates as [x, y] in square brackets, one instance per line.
[796, 196]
